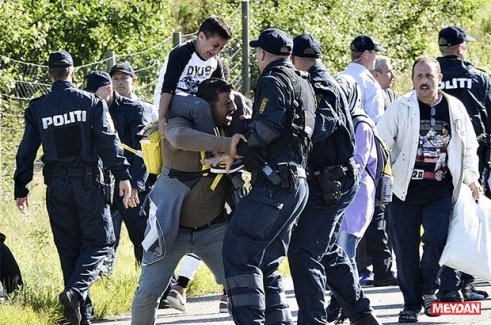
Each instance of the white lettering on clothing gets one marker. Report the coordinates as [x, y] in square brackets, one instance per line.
[64, 119]
[198, 71]
[457, 83]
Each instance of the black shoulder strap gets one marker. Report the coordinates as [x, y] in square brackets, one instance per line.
[297, 117]
[291, 79]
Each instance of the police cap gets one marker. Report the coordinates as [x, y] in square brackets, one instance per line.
[96, 79]
[365, 43]
[124, 67]
[453, 35]
[306, 46]
[60, 59]
[274, 41]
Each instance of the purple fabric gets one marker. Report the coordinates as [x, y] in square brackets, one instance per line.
[359, 213]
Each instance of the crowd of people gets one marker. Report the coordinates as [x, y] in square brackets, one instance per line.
[308, 142]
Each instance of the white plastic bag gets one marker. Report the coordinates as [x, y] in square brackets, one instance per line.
[468, 247]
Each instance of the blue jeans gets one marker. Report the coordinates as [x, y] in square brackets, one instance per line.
[349, 243]
[255, 243]
[418, 276]
[206, 243]
[316, 260]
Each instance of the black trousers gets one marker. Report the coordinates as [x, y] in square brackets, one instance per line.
[376, 244]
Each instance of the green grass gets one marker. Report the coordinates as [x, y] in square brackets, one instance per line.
[31, 241]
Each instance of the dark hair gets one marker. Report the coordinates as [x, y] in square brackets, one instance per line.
[60, 73]
[428, 60]
[215, 26]
[210, 88]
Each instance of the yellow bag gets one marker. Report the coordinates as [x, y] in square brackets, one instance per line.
[151, 150]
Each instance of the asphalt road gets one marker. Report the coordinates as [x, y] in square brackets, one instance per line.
[387, 302]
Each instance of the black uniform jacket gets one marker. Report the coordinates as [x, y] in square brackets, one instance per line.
[129, 117]
[270, 130]
[472, 86]
[75, 129]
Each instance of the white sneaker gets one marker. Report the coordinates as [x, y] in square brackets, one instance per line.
[177, 298]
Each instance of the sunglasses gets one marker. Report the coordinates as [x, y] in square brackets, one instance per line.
[432, 119]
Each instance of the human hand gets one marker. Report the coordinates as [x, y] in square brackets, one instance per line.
[245, 116]
[162, 123]
[476, 190]
[134, 195]
[233, 145]
[126, 192]
[22, 204]
[219, 158]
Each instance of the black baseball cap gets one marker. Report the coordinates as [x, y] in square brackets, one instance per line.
[60, 59]
[453, 35]
[365, 43]
[306, 46]
[96, 79]
[274, 41]
[123, 67]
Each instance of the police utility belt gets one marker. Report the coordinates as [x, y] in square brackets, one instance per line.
[335, 171]
[284, 176]
[330, 181]
[86, 173]
[89, 174]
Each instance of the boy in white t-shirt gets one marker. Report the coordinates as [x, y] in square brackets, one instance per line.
[185, 67]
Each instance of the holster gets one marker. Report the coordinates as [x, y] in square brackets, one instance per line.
[330, 184]
[47, 176]
[288, 177]
[288, 174]
[239, 190]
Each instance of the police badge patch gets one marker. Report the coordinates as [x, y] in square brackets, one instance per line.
[262, 107]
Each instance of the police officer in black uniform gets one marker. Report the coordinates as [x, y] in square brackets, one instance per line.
[75, 131]
[333, 184]
[473, 87]
[275, 153]
[129, 117]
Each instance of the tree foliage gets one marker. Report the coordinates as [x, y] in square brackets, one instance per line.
[90, 28]
[87, 29]
[406, 28]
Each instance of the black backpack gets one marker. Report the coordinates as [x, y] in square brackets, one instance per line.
[334, 139]
[383, 175]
